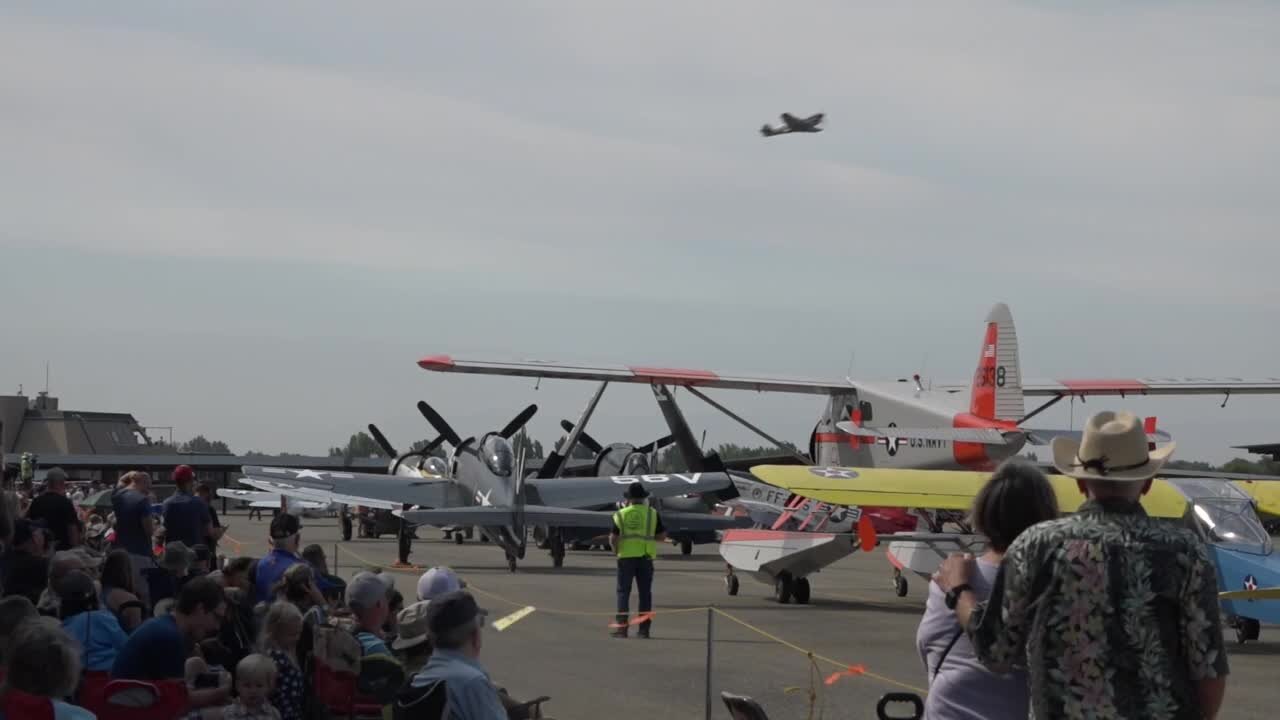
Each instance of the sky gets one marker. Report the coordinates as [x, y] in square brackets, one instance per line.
[249, 220]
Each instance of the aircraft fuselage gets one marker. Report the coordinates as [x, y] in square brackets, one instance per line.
[895, 405]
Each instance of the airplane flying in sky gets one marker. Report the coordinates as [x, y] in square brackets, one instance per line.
[793, 124]
[480, 485]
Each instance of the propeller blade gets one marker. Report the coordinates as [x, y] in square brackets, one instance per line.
[518, 422]
[439, 424]
[429, 447]
[656, 445]
[381, 439]
[586, 440]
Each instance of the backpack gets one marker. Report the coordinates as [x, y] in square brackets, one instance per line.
[337, 647]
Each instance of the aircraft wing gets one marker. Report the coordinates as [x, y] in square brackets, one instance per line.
[674, 521]
[1144, 386]
[492, 516]
[585, 492]
[985, 436]
[932, 489]
[351, 488]
[634, 374]
[306, 494]
[248, 495]
[1045, 437]
[1272, 593]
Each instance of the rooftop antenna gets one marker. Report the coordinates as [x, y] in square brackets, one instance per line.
[46, 377]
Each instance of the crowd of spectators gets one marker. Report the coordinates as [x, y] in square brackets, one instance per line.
[131, 612]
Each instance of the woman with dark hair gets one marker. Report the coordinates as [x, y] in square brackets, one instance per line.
[1017, 496]
[118, 594]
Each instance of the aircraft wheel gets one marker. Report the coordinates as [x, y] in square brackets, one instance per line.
[457, 538]
[1247, 629]
[686, 547]
[731, 584]
[900, 586]
[783, 587]
[511, 564]
[470, 533]
[801, 591]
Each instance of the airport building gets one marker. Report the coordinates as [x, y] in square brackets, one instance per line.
[101, 446]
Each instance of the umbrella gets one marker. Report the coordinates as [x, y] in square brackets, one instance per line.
[100, 500]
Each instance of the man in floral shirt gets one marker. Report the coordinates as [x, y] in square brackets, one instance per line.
[1113, 613]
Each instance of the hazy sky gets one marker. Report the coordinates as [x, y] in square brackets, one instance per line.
[249, 220]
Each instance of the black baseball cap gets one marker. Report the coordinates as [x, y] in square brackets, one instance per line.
[452, 610]
[636, 491]
[285, 525]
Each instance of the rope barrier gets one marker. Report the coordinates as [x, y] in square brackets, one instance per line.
[815, 687]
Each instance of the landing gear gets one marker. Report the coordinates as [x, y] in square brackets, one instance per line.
[801, 591]
[511, 562]
[1247, 629]
[457, 538]
[783, 586]
[899, 583]
[787, 588]
[730, 581]
[686, 547]
[557, 550]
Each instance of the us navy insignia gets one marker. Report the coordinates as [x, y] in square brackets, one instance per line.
[834, 472]
[1250, 582]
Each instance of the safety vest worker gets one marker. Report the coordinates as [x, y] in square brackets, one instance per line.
[637, 530]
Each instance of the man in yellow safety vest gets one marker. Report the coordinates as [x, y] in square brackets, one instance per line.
[637, 530]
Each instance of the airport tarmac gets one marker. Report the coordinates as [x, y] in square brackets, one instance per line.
[562, 648]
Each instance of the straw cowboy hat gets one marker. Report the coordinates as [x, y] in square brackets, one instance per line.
[1114, 446]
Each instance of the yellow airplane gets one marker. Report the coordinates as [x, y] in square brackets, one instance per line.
[933, 489]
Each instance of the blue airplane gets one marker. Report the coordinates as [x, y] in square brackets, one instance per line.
[1242, 550]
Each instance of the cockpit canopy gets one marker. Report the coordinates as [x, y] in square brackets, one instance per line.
[1225, 514]
[498, 455]
[435, 466]
[636, 464]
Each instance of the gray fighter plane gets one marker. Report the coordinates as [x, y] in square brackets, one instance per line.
[481, 486]
[792, 124]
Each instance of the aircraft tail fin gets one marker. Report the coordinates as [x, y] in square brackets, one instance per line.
[997, 383]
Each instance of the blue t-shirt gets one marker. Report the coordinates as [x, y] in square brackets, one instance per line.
[131, 508]
[100, 637]
[371, 644]
[185, 516]
[270, 569]
[155, 651]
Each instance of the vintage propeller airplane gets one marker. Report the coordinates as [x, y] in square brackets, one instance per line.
[793, 124]
[480, 485]
[895, 425]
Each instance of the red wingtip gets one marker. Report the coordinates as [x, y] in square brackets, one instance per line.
[436, 362]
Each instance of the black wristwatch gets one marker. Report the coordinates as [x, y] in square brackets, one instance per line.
[953, 595]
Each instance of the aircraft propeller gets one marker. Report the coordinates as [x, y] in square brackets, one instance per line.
[594, 446]
[619, 458]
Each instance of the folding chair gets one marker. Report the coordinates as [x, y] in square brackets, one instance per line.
[138, 700]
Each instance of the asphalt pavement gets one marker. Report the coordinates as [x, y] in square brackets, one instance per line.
[853, 643]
